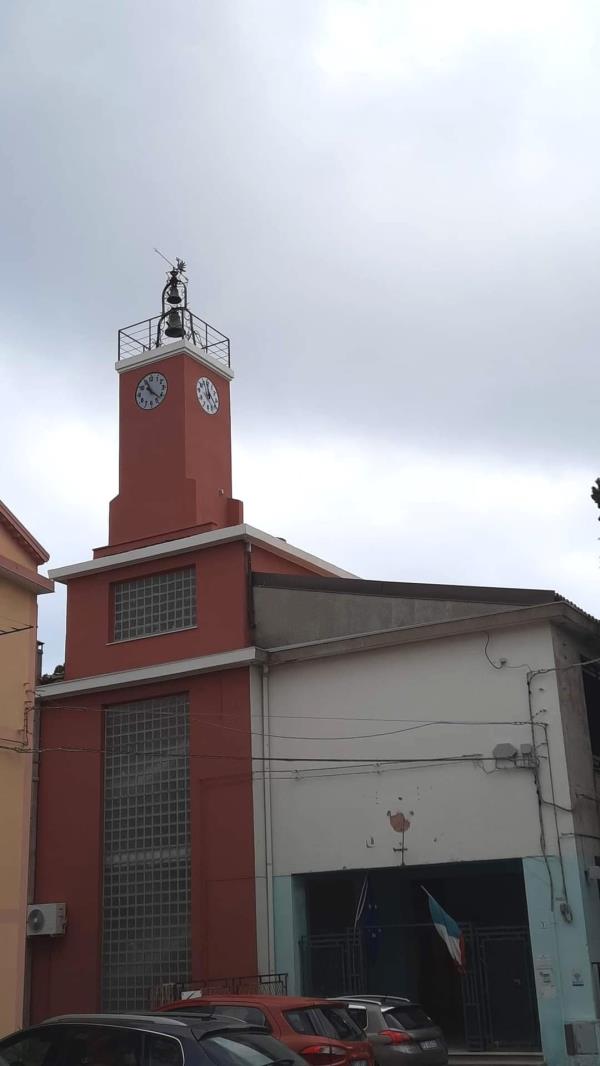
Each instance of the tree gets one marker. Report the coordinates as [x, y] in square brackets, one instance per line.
[596, 493]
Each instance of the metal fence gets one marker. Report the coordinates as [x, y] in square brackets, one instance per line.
[263, 984]
[149, 334]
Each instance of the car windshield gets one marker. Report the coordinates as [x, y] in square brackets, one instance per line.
[247, 1051]
[324, 1020]
[409, 1017]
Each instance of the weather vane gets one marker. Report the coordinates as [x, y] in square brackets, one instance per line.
[173, 320]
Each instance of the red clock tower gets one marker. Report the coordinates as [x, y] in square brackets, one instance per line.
[145, 820]
[175, 428]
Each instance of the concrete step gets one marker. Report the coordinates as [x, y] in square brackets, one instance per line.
[495, 1058]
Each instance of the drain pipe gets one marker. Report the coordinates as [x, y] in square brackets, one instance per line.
[268, 822]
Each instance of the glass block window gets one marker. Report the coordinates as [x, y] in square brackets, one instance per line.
[147, 854]
[155, 604]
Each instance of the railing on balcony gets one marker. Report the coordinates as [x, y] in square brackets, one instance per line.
[262, 984]
[150, 334]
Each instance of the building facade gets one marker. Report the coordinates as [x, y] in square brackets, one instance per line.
[447, 744]
[247, 740]
[20, 586]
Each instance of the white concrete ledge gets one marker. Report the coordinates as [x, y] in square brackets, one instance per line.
[197, 541]
[141, 675]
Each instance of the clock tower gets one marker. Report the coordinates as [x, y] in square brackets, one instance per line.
[174, 426]
[146, 814]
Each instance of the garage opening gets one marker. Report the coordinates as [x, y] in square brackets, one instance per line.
[394, 949]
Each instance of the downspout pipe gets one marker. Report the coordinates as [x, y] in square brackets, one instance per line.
[268, 821]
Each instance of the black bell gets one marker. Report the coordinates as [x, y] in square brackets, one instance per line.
[174, 324]
[173, 294]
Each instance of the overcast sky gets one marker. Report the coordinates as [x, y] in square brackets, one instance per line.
[390, 206]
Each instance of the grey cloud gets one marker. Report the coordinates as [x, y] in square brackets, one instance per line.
[409, 258]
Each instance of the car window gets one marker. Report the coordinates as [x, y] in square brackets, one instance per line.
[245, 1013]
[331, 1021]
[345, 1028]
[163, 1050]
[36, 1047]
[101, 1045]
[230, 1051]
[301, 1021]
[410, 1017]
[359, 1015]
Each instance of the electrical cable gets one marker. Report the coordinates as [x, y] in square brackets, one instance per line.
[371, 761]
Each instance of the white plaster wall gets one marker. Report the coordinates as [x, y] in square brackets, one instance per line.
[331, 818]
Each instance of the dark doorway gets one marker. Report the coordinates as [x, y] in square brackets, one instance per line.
[396, 949]
[508, 987]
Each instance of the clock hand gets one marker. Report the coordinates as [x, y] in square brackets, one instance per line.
[150, 389]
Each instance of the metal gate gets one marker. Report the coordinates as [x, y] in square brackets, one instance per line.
[333, 965]
[498, 989]
[498, 992]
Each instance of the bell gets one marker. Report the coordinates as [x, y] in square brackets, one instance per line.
[173, 295]
[174, 324]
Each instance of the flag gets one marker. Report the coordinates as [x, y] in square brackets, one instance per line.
[367, 917]
[450, 932]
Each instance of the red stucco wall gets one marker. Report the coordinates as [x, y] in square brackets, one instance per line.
[66, 970]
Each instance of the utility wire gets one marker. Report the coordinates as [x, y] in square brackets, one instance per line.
[372, 760]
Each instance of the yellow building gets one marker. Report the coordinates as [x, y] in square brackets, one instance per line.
[20, 585]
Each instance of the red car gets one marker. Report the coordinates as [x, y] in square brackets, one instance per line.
[320, 1030]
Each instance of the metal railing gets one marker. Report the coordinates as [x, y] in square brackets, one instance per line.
[263, 984]
[150, 334]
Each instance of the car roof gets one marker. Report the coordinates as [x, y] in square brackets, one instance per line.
[384, 1001]
[278, 1002]
[155, 1020]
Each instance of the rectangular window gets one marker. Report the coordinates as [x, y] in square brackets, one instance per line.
[155, 604]
[147, 852]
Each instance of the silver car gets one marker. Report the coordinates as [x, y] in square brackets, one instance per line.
[395, 1026]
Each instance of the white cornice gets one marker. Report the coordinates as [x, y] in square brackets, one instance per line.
[199, 541]
[155, 355]
[181, 668]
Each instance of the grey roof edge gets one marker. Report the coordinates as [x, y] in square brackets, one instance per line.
[406, 589]
[558, 611]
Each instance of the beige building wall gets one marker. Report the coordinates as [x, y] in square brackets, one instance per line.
[19, 587]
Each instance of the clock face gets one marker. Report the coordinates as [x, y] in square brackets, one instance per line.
[208, 397]
[151, 391]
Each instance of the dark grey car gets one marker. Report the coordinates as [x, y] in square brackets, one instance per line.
[144, 1040]
[398, 1027]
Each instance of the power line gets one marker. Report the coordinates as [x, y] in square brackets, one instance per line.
[358, 761]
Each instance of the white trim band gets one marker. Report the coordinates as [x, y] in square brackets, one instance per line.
[197, 541]
[154, 355]
[141, 675]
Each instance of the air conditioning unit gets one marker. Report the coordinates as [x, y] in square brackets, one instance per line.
[46, 919]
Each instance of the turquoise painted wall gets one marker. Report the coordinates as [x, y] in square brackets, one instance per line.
[289, 907]
[561, 960]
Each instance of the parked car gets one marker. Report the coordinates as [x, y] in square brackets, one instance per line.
[321, 1031]
[393, 1024]
[144, 1040]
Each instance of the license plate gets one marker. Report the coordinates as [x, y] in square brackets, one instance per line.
[359, 1062]
[429, 1045]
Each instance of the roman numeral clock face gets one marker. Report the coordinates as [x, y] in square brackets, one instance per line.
[208, 397]
[151, 391]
